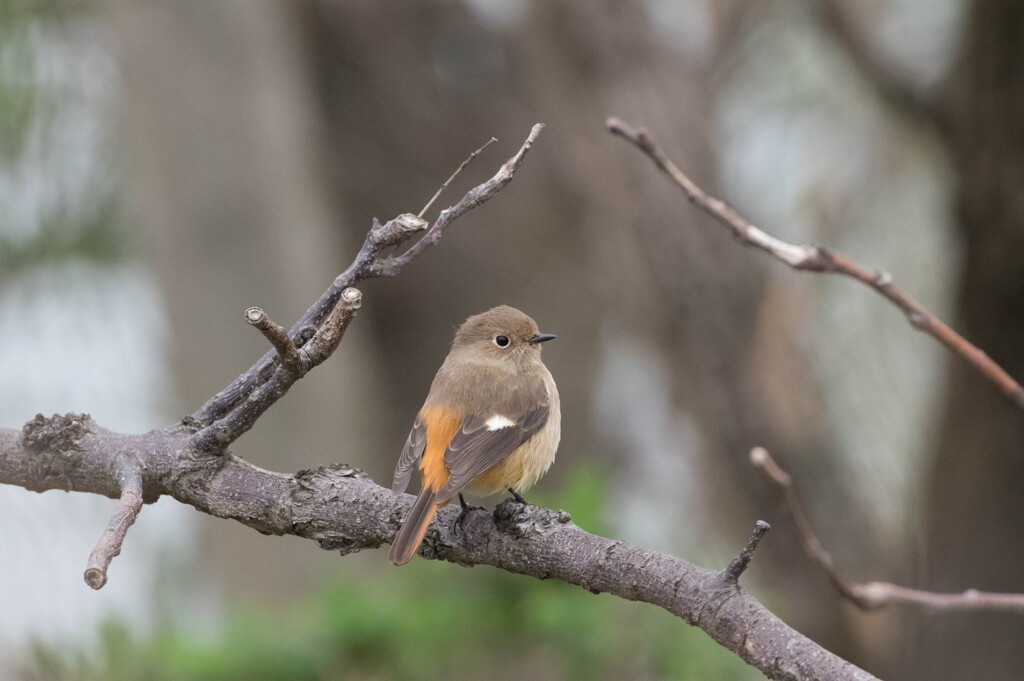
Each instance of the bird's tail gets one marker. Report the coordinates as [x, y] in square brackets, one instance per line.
[409, 538]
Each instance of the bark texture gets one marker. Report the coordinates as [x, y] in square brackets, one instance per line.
[342, 510]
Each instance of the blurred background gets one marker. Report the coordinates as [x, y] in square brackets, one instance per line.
[164, 165]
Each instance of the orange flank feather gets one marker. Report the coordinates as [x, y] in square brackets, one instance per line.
[441, 425]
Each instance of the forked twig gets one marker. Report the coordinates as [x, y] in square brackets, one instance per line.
[454, 175]
[870, 595]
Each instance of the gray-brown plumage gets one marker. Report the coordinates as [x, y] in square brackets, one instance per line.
[490, 422]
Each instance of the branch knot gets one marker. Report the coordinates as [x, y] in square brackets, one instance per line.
[396, 231]
[62, 433]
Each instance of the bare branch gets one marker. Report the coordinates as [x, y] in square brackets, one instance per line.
[870, 595]
[458, 170]
[129, 504]
[328, 337]
[473, 198]
[825, 260]
[342, 510]
[219, 435]
[738, 565]
[368, 264]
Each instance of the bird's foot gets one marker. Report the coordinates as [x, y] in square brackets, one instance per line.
[518, 497]
[466, 508]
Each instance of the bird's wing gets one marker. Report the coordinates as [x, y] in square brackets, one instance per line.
[485, 440]
[410, 457]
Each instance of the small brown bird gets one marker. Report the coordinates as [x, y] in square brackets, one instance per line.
[491, 421]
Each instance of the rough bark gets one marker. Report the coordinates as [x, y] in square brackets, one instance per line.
[342, 510]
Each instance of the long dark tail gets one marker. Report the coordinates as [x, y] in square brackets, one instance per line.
[409, 538]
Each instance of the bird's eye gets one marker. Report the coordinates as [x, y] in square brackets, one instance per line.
[501, 341]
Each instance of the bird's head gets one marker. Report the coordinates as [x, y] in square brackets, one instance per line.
[502, 334]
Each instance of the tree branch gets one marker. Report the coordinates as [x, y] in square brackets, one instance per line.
[872, 595]
[474, 197]
[295, 363]
[277, 335]
[738, 565]
[129, 475]
[369, 263]
[440, 190]
[342, 510]
[825, 260]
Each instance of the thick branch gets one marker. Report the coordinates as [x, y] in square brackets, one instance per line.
[368, 264]
[342, 510]
[820, 259]
[872, 595]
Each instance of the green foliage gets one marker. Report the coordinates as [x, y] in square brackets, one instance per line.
[22, 102]
[92, 235]
[30, 99]
[426, 621]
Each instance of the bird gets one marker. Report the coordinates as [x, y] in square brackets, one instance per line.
[491, 421]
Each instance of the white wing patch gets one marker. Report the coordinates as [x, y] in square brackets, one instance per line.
[497, 422]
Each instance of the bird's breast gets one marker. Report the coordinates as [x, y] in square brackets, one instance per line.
[525, 466]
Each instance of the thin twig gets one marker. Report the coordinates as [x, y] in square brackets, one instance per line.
[820, 259]
[368, 264]
[473, 198]
[454, 175]
[129, 504]
[738, 565]
[278, 337]
[870, 595]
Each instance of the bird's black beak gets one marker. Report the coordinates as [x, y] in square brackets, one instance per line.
[541, 337]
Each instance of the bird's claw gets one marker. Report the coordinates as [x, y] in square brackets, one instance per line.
[466, 508]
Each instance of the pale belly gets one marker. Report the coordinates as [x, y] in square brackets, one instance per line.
[526, 465]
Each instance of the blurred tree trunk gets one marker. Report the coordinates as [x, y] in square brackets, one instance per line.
[232, 212]
[976, 504]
